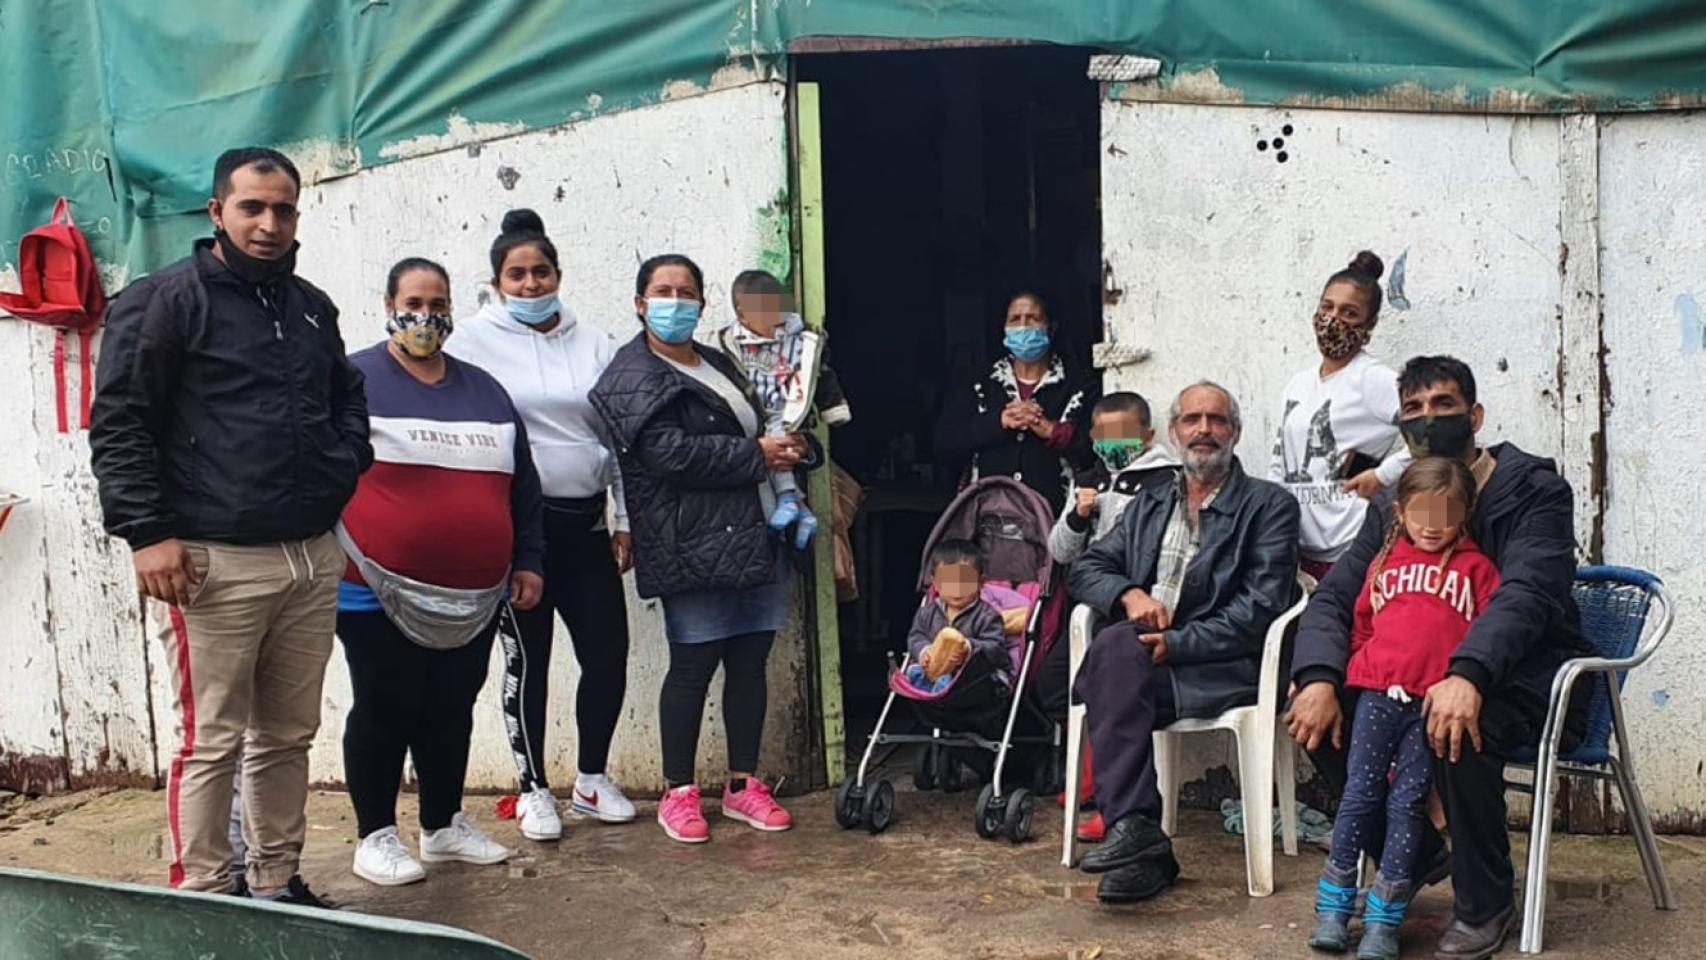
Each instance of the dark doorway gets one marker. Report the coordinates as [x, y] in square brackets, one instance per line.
[952, 179]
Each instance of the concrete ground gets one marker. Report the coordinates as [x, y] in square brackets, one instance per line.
[927, 888]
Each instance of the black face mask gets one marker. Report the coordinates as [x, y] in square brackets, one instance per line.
[253, 269]
[1444, 435]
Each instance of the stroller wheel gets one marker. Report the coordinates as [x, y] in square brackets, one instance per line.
[849, 804]
[879, 806]
[1021, 807]
[989, 815]
[924, 768]
[950, 773]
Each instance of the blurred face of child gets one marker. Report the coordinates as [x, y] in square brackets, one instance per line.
[1432, 519]
[956, 583]
[761, 313]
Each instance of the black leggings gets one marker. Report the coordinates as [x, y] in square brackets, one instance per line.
[582, 585]
[408, 699]
[681, 705]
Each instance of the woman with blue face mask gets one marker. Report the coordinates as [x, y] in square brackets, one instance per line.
[548, 360]
[1028, 417]
[696, 460]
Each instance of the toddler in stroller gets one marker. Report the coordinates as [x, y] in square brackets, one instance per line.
[987, 617]
[957, 626]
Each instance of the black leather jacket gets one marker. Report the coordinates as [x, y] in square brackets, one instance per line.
[690, 475]
[1243, 576]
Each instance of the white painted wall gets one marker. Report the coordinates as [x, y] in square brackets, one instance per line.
[612, 191]
[1221, 250]
[1653, 264]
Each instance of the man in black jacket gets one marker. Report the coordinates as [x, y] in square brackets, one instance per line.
[1494, 697]
[1193, 576]
[228, 433]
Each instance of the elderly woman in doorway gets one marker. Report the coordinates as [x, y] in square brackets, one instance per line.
[697, 462]
[1028, 417]
[1338, 436]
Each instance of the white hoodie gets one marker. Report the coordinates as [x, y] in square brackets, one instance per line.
[548, 376]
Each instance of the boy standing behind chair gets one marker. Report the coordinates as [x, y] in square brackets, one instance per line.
[1123, 437]
[768, 343]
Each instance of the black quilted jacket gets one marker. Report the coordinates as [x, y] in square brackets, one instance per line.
[690, 475]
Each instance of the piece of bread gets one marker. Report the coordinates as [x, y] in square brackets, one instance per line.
[941, 656]
[1014, 621]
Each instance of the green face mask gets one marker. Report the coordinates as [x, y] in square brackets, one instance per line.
[1118, 452]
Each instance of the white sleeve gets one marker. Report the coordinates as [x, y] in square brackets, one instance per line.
[1380, 390]
[1065, 543]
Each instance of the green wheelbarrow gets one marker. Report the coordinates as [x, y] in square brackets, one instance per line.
[47, 916]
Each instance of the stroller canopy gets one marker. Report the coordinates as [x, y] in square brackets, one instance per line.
[1009, 522]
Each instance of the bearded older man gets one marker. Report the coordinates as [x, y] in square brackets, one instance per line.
[1192, 578]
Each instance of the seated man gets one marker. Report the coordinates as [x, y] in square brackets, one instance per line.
[1495, 695]
[1194, 574]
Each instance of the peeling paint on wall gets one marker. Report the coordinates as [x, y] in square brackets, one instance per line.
[458, 131]
[775, 237]
[1690, 325]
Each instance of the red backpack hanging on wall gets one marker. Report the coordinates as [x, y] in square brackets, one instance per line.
[62, 288]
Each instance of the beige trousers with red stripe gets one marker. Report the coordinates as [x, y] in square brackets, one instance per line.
[247, 655]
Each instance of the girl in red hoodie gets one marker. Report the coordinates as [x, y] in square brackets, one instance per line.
[1424, 587]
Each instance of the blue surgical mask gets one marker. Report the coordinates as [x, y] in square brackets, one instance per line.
[533, 311]
[1027, 343]
[672, 320]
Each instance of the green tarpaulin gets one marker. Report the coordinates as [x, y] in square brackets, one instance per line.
[122, 104]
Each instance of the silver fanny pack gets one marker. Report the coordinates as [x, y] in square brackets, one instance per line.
[438, 618]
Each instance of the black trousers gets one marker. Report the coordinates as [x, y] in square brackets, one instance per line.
[681, 704]
[582, 586]
[408, 700]
[1127, 697]
[1473, 789]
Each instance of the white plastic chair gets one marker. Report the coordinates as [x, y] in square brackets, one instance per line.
[1265, 753]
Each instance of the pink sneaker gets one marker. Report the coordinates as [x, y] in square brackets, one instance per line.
[678, 814]
[755, 807]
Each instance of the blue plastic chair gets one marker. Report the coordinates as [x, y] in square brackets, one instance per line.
[1618, 622]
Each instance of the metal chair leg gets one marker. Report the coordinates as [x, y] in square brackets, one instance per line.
[1635, 807]
[1533, 937]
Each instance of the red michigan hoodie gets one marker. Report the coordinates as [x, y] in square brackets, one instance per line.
[1415, 615]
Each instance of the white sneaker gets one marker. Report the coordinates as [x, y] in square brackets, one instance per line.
[381, 858]
[536, 811]
[461, 841]
[599, 798]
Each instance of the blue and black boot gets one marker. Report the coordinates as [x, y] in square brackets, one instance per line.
[1335, 896]
[1381, 918]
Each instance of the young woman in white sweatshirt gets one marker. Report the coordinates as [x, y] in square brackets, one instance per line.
[1338, 436]
[548, 361]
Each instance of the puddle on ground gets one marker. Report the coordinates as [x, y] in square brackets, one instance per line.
[1600, 890]
[1082, 891]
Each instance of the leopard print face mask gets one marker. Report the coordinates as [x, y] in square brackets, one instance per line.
[1338, 339]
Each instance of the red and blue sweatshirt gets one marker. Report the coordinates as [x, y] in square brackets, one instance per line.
[1412, 614]
[452, 498]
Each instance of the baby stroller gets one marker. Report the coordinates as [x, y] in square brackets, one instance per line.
[983, 706]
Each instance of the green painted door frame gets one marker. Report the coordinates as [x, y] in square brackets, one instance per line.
[808, 282]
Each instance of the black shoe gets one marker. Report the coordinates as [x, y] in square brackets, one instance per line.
[1127, 842]
[1463, 941]
[296, 893]
[1139, 881]
[1436, 860]
[241, 889]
